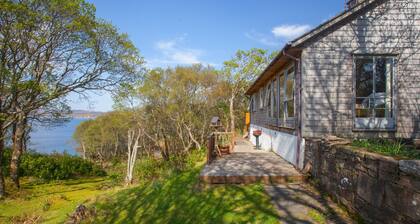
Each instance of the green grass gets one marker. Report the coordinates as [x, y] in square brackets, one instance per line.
[181, 199]
[162, 194]
[51, 202]
[317, 217]
[395, 149]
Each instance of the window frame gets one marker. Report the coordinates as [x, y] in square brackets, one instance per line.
[375, 123]
[268, 99]
[253, 103]
[286, 99]
[261, 99]
[282, 99]
[274, 101]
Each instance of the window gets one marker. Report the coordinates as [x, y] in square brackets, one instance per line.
[289, 99]
[253, 103]
[261, 98]
[286, 94]
[274, 98]
[374, 92]
[268, 99]
[281, 95]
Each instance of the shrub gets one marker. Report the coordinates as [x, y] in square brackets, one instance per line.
[53, 167]
[386, 147]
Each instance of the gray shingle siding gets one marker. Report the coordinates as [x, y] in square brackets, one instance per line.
[388, 27]
[392, 27]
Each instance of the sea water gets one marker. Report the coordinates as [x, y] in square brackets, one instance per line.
[55, 139]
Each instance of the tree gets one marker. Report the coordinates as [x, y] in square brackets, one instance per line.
[176, 105]
[239, 73]
[50, 49]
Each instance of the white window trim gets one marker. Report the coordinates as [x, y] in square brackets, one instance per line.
[375, 123]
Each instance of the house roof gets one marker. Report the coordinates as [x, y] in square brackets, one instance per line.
[294, 47]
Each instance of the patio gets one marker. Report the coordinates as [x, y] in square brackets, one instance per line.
[247, 165]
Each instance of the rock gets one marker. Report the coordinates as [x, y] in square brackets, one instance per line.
[410, 166]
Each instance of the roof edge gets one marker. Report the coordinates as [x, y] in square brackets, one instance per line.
[331, 22]
[315, 32]
[278, 56]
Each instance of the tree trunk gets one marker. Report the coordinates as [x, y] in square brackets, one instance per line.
[18, 138]
[2, 185]
[133, 145]
[232, 114]
[84, 150]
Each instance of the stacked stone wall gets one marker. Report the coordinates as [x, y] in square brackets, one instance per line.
[378, 188]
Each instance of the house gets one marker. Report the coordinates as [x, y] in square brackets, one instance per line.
[356, 76]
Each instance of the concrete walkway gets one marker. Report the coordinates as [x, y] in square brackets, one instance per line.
[301, 203]
[247, 165]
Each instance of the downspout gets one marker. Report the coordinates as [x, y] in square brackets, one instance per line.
[298, 103]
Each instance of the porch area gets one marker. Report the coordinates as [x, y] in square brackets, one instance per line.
[244, 165]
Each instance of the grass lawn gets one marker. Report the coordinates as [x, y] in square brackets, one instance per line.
[181, 199]
[173, 197]
[51, 201]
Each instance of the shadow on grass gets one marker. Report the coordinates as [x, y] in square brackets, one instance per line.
[301, 203]
[180, 199]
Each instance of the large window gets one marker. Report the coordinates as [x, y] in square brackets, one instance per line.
[374, 92]
[281, 96]
[286, 94]
[274, 98]
[268, 99]
[254, 102]
[289, 99]
[261, 98]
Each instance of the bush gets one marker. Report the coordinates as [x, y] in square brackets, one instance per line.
[396, 148]
[154, 168]
[53, 167]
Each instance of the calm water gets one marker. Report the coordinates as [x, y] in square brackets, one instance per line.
[59, 139]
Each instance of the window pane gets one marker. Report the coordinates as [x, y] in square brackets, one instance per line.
[364, 107]
[275, 98]
[383, 77]
[364, 77]
[290, 83]
[290, 108]
[383, 107]
[281, 100]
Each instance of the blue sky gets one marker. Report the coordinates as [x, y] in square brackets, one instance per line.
[169, 33]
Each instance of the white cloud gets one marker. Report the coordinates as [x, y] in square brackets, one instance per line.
[174, 53]
[262, 38]
[289, 31]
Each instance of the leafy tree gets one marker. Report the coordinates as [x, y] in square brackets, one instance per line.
[49, 49]
[239, 73]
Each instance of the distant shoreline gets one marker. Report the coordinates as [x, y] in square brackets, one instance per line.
[86, 114]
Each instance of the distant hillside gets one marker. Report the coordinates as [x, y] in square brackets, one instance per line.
[85, 114]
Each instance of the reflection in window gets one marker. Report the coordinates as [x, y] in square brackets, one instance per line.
[281, 91]
[290, 92]
[274, 98]
[374, 87]
[268, 99]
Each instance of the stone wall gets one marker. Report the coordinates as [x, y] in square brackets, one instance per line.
[378, 188]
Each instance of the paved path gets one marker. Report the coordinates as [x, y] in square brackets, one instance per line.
[301, 203]
[296, 202]
[247, 165]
